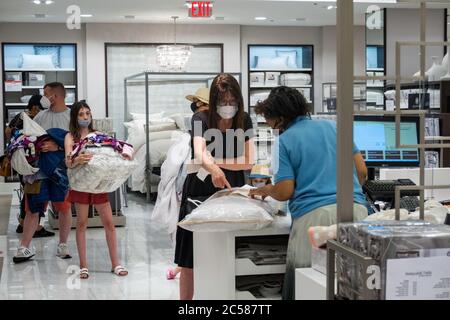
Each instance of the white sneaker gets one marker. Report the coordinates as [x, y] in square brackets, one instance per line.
[63, 251]
[23, 254]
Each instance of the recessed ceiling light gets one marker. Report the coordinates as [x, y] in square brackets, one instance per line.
[40, 15]
[87, 15]
[260, 18]
[331, 7]
[219, 18]
[47, 2]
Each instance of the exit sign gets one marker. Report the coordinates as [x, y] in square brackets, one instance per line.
[200, 9]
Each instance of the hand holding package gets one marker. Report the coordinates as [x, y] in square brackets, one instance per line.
[105, 172]
[229, 211]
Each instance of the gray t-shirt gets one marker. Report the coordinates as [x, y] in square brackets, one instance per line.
[48, 119]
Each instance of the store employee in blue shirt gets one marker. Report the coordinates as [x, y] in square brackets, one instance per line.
[306, 173]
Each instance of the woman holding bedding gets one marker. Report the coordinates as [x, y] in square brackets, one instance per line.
[80, 126]
[224, 153]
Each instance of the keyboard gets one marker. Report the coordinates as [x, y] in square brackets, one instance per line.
[385, 189]
[409, 203]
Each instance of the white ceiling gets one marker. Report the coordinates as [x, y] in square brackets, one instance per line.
[281, 12]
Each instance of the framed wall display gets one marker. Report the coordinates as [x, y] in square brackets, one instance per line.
[124, 59]
[27, 67]
[270, 66]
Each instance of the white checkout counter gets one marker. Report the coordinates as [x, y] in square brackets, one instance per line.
[216, 266]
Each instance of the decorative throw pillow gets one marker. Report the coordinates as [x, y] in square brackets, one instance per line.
[292, 58]
[277, 63]
[37, 62]
[54, 51]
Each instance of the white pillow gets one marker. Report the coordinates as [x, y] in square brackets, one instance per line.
[165, 135]
[182, 119]
[31, 61]
[292, 57]
[164, 126]
[161, 121]
[277, 63]
[223, 212]
[158, 151]
[141, 116]
[135, 131]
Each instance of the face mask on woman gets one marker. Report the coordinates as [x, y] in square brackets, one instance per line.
[227, 112]
[84, 123]
[259, 184]
[193, 106]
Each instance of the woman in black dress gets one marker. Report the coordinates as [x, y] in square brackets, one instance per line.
[224, 151]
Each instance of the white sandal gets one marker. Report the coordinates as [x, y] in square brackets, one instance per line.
[84, 273]
[120, 271]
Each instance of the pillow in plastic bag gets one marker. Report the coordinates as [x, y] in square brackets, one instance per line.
[225, 211]
[105, 173]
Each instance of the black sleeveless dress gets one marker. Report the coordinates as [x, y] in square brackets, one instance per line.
[196, 189]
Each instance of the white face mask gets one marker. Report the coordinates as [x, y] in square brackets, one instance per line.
[45, 102]
[227, 112]
[259, 184]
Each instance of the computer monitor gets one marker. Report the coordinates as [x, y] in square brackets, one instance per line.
[375, 138]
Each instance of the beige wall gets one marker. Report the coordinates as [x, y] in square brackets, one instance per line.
[99, 34]
[404, 25]
[329, 54]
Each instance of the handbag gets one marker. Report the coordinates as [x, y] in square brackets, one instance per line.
[5, 166]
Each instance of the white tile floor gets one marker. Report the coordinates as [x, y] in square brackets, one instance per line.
[143, 248]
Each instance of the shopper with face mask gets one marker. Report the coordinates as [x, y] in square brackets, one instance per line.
[200, 100]
[306, 174]
[223, 160]
[80, 127]
[260, 176]
[16, 125]
[56, 115]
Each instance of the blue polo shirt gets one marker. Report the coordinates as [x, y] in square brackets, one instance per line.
[307, 154]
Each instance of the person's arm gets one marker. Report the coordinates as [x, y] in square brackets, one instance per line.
[284, 186]
[361, 168]
[281, 191]
[244, 162]
[207, 162]
[8, 131]
[68, 147]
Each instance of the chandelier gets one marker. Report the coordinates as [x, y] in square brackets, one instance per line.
[173, 58]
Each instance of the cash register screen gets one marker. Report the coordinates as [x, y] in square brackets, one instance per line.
[375, 138]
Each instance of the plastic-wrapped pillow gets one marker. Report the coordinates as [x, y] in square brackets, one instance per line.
[105, 173]
[225, 211]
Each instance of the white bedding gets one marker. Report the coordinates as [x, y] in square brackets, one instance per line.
[136, 182]
[163, 132]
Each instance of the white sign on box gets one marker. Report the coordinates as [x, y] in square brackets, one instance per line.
[418, 278]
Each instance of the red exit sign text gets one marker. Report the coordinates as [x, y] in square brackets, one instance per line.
[200, 9]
